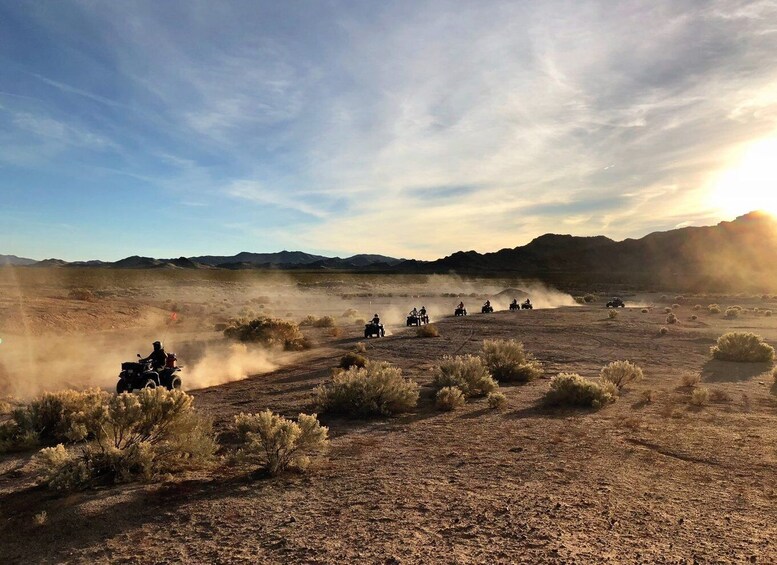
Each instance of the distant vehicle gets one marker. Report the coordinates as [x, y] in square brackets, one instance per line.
[487, 309]
[616, 303]
[417, 319]
[374, 330]
[137, 375]
[514, 306]
[460, 311]
[527, 305]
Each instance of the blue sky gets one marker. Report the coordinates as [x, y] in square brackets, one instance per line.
[406, 128]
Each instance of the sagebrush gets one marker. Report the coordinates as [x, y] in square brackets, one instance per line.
[352, 360]
[377, 389]
[429, 330]
[496, 400]
[449, 398]
[280, 443]
[744, 347]
[621, 373]
[570, 389]
[508, 361]
[467, 372]
[271, 332]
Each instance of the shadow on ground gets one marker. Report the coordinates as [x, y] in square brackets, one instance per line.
[715, 371]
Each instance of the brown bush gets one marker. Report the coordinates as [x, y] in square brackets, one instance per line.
[467, 372]
[621, 373]
[352, 360]
[507, 361]
[271, 332]
[429, 330]
[496, 400]
[81, 294]
[743, 347]
[570, 389]
[449, 398]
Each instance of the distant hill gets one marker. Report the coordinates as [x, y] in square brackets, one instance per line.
[14, 260]
[289, 258]
[731, 255]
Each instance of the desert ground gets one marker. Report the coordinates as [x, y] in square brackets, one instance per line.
[638, 481]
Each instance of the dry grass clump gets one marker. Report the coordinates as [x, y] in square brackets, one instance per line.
[671, 319]
[352, 360]
[350, 313]
[648, 396]
[139, 436]
[732, 312]
[429, 330]
[377, 389]
[271, 332]
[697, 307]
[743, 347]
[280, 443]
[720, 395]
[621, 373]
[41, 518]
[663, 330]
[81, 294]
[507, 361]
[768, 313]
[694, 318]
[675, 306]
[323, 322]
[645, 311]
[714, 309]
[580, 299]
[679, 298]
[700, 396]
[690, 379]
[496, 400]
[588, 298]
[54, 417]
[612, 314]
[360, 347]
[449, 398]
[570, 389]
[667, 310]
[467, 372]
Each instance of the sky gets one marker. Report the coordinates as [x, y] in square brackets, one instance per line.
[408, 128]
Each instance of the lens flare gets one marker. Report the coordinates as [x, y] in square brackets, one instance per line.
[751, 183]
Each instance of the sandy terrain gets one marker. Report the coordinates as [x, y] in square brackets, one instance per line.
[661, 482]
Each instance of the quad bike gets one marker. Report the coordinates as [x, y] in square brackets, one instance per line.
[417, 320]
[616, 303]
[373, 330]
[487, 309]
[527, 306]
[460, 312]
[514, 306]
[137, 375]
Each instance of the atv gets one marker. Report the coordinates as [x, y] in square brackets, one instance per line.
[373, 330]
[140, 374]
[417, 320]
[616, 303]
[514, 306]
[487, 309]
[460, 312]
[527, 306]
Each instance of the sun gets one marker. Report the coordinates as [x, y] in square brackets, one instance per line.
[750, 183]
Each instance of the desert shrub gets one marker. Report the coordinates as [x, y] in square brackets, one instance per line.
[449, 398]
[612, 314]
[645, 311]
[429, 330]
[359, 321]
[648, 396]
[271, 332]
[54, 417]
[719, 395]
[664, 298]
[324, 322]
[697, 307]
[278, 442]
[81, 294]
[667, 310]
[690, 379]
[377, 389]
[588, 298]
[700, 396]
[714, 309]
[580, 299]
[732, 313]
[744, 347]
[768, 313]
[507, 361]
[307, 321]
[570, 389]
[360, 347]
[467, 372]
[140, 436]
[694, 318]
[335, 332]
[671, 319]
[352, 360]
[350, 313]
[496, 400]
[679, 298]
[621, 373]
[663, 330]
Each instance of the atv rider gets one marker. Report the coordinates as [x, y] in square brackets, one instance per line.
[158, 357]
[487, 304]
[514, 302]
[422, 311]
[376, 320]
[527, 302]
[461, 305]
[414, 312]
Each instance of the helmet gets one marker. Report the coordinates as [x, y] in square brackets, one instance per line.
[157, 345]
[376, 315]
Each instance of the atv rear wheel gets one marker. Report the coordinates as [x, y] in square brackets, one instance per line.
[122, 386]
[150, 383]
[175, 383]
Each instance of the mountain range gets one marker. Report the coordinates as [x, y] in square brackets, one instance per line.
[737, 254]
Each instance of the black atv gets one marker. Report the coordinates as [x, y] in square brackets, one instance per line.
[137, 375]
[527, 306]
[417, 320]
[616, 303]
[514, 306]
[460, 312]
[486, 309]
[374, 330]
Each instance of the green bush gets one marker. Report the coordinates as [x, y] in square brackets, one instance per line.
[496, 400]
[140, 436]
[352, 360]
[570, 389]
[449, 398]
[621, 373]
[429, 330]
[378, 389]
[743, 347]
[54, 417]
[467, 372]
[271, 332]
[507, 361]
[278, 442]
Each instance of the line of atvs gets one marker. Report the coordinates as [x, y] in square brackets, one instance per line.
[487, 308]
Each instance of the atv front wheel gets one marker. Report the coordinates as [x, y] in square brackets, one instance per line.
[150, 383]
[175, 383]
[122, 386]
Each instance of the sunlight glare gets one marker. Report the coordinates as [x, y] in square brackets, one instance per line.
[751, 183]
